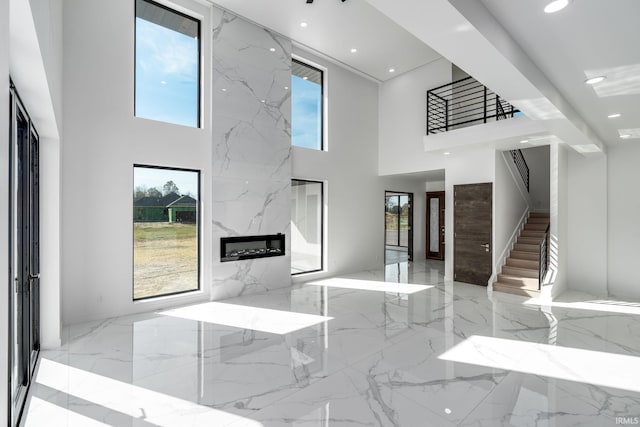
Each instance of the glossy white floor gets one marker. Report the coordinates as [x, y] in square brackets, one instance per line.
[351, 351]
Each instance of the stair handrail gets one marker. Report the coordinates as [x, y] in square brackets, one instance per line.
[543, 261]
[521, 165]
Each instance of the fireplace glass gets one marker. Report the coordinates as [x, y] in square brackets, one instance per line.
[248, 247]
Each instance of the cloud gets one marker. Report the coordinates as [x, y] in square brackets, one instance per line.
[166, 51]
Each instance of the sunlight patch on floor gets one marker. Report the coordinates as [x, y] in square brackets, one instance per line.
[370, 285]
[566, 363]
[247, 317]
[134, 401]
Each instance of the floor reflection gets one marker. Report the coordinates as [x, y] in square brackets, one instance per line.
[395, 346]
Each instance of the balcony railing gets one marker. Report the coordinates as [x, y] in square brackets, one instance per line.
[464, 103]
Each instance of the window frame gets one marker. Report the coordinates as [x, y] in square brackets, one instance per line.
[198, 236]
[322, 226]
[323, 74]
[200, 22]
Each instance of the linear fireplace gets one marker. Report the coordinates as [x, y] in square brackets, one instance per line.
[248, 247]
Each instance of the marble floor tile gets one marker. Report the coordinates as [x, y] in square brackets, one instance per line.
[363, 349]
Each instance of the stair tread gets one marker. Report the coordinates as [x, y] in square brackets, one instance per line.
[539, 214]
[523, 247]
[516, 277]
[528, 255]
[536, 220]
[523, 263]
[527, 286]
[532, 240]
[510, 289]
[524, 284]
[516, 270]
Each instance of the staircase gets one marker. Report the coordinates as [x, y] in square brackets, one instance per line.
[520, 273]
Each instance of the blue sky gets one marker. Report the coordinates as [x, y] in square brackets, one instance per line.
[166, 74]
[306, 101]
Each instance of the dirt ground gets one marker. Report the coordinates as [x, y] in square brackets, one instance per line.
[165, 258]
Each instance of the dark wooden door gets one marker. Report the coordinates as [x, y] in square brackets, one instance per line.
[472, 222]
[435, 225]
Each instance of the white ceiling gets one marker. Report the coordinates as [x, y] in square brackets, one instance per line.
[589, 37]
[536, 56]
[334, 28]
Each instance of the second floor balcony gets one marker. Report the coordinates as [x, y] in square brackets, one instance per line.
[464, 103]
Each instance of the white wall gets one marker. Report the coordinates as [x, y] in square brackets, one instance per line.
[587, 229]
[537, 159]
[4, 206]
[558, 213]
[402, 117]
[434, 186]
[624, 227]
[510, 206]
[47, 17]
[469, 166]
[102, 141]
[354, 206]
[402, 124]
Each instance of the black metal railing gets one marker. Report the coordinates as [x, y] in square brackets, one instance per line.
[521, 165]
[544, 258]
[463, 103]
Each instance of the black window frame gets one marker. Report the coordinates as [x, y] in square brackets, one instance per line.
[322, 89]
[321, 226]
[198, 235]
[135, 56]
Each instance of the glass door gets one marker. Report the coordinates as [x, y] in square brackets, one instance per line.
[399, 225]
[25, 255]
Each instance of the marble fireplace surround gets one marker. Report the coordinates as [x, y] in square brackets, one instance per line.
[251, 150]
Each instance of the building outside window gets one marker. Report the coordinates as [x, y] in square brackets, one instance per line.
[166, 231]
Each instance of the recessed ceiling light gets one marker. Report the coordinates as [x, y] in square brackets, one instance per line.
[524, 141]
[555, 6]
[392, 70]
[594, 80]
[446, 153]
[224, 89]
[625, 136]
[305, 78]
[303, 24]
[163, 82]
[263, 101]
[286, 88]
[354, 50]
[273, 49]
[614, 115]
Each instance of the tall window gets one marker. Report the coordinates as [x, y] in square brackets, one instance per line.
[306, 106]
[167, 83]
[306, 226]
[165, 231]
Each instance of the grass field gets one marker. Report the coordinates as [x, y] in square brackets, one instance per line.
[165, 258]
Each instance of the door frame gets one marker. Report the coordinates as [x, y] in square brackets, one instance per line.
[410, 223]
[440, 195]
[24, 254]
